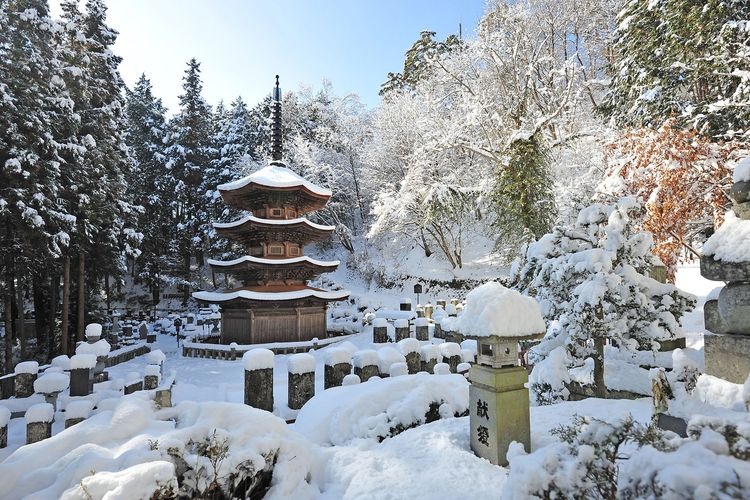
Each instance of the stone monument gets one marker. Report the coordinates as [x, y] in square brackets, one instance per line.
[726, 257]
[499, 318]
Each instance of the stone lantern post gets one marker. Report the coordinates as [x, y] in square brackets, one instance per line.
[499, 318]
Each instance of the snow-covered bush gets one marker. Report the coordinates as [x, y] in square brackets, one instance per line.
[626, 459]
[591, 280]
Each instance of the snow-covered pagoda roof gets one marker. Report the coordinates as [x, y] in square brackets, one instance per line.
[276, 176]
[270, 296]
[249, 259]
[273, 222]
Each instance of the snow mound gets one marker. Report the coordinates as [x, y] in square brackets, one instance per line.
[336, 355]
[93, 330]
[51, 382]
[441, 369]
[365, 357]
[351, 379]
[731, 243]
[492, 309]
[100, 348]
[398, 369]
[408, 346]
[301, 363]
[370, 411]
[27, 367]
[742, 171]
[388, 356]
[401, 323]
[429, 352]
[379, 322]
[138, 481]
[78, 409]
[448, 349]
[61, 361]
[135, 440]
[421, 322]
[156, 357]
[40, 412]
[258, 359]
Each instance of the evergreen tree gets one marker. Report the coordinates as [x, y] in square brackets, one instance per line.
[687, 58]
[417, 61]
[523, 195]
[35, 114]
[189, 154]
[591, 281]
[149, 184]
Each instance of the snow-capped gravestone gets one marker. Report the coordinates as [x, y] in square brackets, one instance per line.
[498, 318]
[4, 419]
[726, 257]
[81, 381]
[26, 373]
[301, 380]
[259, 378]
[338, 364]
[39, 422]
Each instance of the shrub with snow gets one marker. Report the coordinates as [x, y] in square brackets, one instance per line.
[591, 281]
[205, 450]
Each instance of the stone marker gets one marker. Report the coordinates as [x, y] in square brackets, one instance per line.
[39, 422]
[411, 350]
[258, 365]
[429, 357]
[26, 373]
[301, 380]
[366, 364]
[380, 331]
[81, 383]
[451, 354]
[402, 329]
[50, 385]
[77, 411]
[422, 329]
[338, 364]
[133, 383]
[405, 304]
[143, 330]
[151, 377]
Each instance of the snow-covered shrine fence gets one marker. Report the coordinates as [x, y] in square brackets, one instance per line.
[8, 382]
[235, 351]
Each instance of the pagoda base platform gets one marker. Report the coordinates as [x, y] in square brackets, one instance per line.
[260, 324]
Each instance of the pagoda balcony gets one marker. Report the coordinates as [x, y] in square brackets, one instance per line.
[251, 231]
[249, 269]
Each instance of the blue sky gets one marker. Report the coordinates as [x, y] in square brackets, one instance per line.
[242, 44]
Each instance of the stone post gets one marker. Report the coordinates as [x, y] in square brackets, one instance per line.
[351, 379]
[258, 365]
[151, 377]
[39, 422]
[420, 311]
[451, 354]
[77, 411]
[301, 380]
[26, 373]
[50, 385]
[380, 331]
[4, 419]
[81, 383]
[726, 257]
[410, 349]
[143, 330]
[429, 356]
[402, 329]
[366, 364]
[157, 357]
[405, 304]
[441, 303]
[133, 383]
[422, 329]
[398, 369]
[428, 309]
[338, 364]
[233, 351]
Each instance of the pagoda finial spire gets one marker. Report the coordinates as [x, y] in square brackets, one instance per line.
[276, 123]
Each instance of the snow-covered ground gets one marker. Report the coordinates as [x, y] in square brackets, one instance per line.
[344, 431]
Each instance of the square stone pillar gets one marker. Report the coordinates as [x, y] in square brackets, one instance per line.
[79, 382]
[334, 374]
[259, 388]
[498, 411]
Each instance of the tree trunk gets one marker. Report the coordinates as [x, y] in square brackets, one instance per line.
[81, 296]
[107, 292]
[600, 388]
[9, 327]
[65, 320]
[40, 289]
[54, 284]
[186, 289]
[21, 333]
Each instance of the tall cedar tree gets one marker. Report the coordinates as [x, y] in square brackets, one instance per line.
[148, 186]
[189, 154]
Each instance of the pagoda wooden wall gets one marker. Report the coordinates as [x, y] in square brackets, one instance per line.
[267, 325]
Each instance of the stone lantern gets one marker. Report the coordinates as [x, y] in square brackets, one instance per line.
[498, 319]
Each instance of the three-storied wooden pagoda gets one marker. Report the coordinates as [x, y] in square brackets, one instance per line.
[275, 303]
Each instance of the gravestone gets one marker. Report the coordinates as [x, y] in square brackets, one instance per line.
[402, 329]
[380, 331]
[338, 364]
[366, 364]
[258, 365]
[26, 373]
[301, 380]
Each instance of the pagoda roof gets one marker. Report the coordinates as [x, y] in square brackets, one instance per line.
[271, 294]
[250, 220]
[250, 261]
[274, 178]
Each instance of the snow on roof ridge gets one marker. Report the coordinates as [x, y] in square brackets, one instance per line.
[260, 260]
[251, 295]
[276, 175]
[279, 222]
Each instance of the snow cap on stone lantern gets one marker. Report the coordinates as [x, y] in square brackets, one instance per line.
[498, 318]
